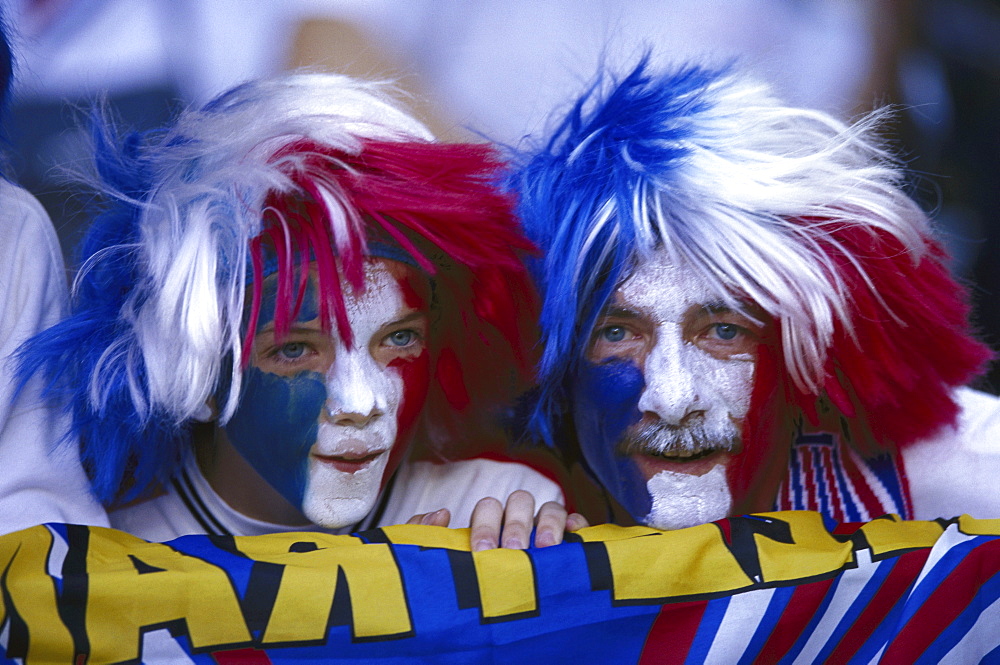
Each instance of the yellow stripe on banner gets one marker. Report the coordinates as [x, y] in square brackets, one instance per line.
[665, 564]
[428, 536]
[889, 535]
[506, 581]
[813, 552]
[972, 526]
[309, 583]
[33, 596]
[607, 532]
[134, 584]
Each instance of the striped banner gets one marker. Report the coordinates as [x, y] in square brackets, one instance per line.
[769, 588]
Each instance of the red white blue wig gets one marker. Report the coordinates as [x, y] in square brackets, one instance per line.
[789, 208]
[272, 177]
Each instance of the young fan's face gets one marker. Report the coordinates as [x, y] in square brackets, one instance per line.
[324, 423]
[660, 400]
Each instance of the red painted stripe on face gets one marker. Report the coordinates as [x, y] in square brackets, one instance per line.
[416, 376]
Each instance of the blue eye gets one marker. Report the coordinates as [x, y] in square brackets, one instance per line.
[402, 338]
[726, 331]
[613, 333]
[292, 350]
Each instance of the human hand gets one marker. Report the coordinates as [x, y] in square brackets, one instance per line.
[510, 527]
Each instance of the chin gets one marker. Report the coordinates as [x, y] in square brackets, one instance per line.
[334, 499]
[681, 500]
[337, 513]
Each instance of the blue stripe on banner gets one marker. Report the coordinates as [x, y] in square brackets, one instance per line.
[992, 658]
[813, 622]
[988, 594]
[612, 634]
[857, 607]
[930, 583]
[715, 611]
[880, 636]
[775, 608]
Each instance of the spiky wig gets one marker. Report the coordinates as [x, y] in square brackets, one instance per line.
[273, 176]
[785, 207]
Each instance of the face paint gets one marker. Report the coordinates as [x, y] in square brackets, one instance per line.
[696, 357]
[355, 408]
[681, 500]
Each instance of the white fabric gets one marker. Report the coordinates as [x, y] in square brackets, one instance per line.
[39, 482]
[422, 487]
[958, 471]
[419, 487]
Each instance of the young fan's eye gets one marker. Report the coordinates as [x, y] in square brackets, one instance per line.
[401, 338]
[292, 350]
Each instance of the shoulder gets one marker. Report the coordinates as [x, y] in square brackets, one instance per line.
[955, 471]
[425, 486]
[32, 276]
[158, 519]
[25, 220]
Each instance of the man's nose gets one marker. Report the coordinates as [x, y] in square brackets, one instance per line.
[672, 386]
[353, 398]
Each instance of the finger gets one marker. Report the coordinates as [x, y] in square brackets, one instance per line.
[440, 517]
[551, 521]
[484, 531]
[517, 520]
[576, 521]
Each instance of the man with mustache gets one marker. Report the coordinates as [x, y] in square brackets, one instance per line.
[294, 310]
[743, 310]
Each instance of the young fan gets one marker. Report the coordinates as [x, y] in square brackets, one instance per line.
[290, 287]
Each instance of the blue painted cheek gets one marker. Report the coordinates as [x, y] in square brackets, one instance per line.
[276, 424]
[605, 402]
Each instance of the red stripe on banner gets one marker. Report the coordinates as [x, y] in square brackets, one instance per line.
[241, 657]
[672, 633]
[943, 606]
[847, 528]
[894, 586]
[800, 610]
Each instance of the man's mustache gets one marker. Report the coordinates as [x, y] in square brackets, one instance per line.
[661, 438]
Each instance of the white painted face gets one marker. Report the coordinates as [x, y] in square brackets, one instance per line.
[359, 424]
[324, 422]
[697, 357]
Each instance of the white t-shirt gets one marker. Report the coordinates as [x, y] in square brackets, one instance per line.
[191, 506]
[40, 481]
[958, 471]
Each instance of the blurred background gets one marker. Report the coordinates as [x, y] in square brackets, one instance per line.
[494, 69]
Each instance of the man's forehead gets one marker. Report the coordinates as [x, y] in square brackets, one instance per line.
[660, 286]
